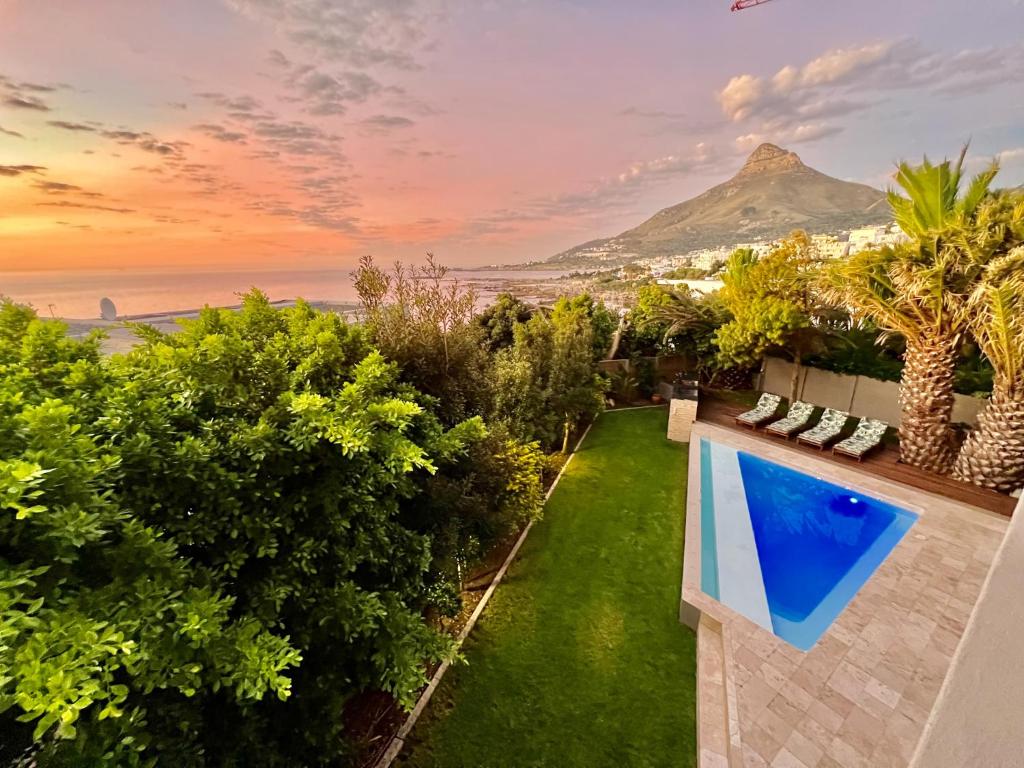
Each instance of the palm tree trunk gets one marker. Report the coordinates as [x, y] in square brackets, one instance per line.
[794, 382]
[616, 338]
[926, 401]
[993, 454]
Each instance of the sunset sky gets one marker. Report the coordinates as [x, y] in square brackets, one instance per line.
[304, 133]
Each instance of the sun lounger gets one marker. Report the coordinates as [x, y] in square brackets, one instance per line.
[826, 430]
[797, 419]
[866, 437]
[761, 412]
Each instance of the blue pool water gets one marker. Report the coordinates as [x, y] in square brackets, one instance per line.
[816, 543]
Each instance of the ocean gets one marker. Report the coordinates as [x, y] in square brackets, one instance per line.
[77, 294]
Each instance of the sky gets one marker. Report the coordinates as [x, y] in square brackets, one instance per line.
[212, 134]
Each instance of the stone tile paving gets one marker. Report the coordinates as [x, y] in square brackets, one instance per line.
[862, 695]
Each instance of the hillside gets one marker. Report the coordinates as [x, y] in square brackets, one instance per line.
[772, 194]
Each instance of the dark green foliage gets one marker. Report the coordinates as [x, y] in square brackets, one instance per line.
[645, 378]
[859, 352]
[683, 321]
[210, 545]
[478, 499]
[499, 321]
[864, 351]
[545, 383]
[279, 458]
[110, 639]
[645, 331]
[974, 373]
[278, 448]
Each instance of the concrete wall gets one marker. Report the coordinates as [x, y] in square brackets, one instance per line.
[665, 367]
[858, 395]
[876, 399]
[967, 408]
[829, 390]
[777, 376]
[976, 720]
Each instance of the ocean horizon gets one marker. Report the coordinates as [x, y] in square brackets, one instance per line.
[77, 294]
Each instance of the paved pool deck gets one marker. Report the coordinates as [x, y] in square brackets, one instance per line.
[861, 696]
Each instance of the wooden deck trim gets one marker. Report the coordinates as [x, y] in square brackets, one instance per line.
[882, 461]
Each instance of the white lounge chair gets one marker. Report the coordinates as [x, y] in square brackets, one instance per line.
[798, 418]
[865, 438]
[760, 413]
[826, 430]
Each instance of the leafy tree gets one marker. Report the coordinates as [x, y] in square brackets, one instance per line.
[279, 450]
[499, 321]
[686, 273]
[603, 321]
[688, 322]
[918, 289]
[223, 518]
[575, 388]
[424, 320]
[545, 383]
[645, 327]
[110, 637]
[477, 500]
[773, 305]
[635, 271]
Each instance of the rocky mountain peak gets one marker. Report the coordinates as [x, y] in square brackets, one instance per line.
[767, 158]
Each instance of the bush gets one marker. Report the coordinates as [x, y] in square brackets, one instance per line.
[425, 322]
[112, 638]
[188, 522]
[546, 382]
[209, 546]
[479, 499]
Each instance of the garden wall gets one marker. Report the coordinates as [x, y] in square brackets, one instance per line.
[665, 367]
[859, 396]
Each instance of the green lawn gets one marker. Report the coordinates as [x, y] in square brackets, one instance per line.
[579, 659]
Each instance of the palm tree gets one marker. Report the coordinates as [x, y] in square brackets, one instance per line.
[695, 315]
[919, 290]
[993, 454]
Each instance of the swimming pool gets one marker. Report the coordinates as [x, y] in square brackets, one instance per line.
[783, 548]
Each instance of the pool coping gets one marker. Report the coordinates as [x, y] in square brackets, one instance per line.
[720, 733]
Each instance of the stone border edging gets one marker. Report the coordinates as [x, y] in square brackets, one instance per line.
[398, 740]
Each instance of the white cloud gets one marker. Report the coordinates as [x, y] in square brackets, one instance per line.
[359, 33]
[798, 101]
[797, 134]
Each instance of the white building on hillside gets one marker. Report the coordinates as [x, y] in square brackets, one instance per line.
[873, 237]
[828, 246]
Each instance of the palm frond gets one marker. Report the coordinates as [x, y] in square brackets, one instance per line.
[997, 317]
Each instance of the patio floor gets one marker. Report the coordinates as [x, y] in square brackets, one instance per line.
[862, 695]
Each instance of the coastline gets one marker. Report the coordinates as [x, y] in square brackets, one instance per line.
[536, 289]
[119, 336]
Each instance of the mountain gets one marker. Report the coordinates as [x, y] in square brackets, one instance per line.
[773, 194]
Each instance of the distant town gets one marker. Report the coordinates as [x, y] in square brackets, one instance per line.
[826, 246]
